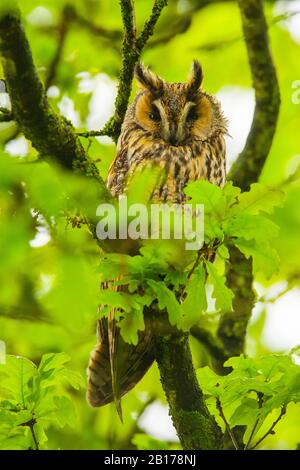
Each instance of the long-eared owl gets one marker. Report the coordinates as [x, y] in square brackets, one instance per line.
[181, 128]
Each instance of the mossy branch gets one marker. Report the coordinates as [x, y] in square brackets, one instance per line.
[195, 426]
[51, 134]
[63, 28]
[248, 167]
[233, 325]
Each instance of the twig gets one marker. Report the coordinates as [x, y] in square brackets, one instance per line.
[149, 26]
[270, 431]
[196, 264]
[63, 29]
[30, 424]
[89, 134]
[221, 413]
[28, 313]
[291, 283]
[274, 299]
[131, 52]
[260, 404]
[31, 427]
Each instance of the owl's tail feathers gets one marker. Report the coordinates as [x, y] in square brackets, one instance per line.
[131, 363]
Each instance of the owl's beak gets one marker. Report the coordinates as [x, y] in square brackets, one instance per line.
[172, 137]
[172, 140]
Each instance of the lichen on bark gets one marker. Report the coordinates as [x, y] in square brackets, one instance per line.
[196, 427]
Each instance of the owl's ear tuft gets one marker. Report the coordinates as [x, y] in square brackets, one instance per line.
[148, 80]
[195, 78]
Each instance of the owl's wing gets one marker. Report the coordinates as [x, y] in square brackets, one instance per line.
[118, 169]
[129, 365]
[115, 366]
[115, 182]
[215, 162]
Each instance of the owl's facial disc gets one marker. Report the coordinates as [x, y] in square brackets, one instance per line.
[180, 120]
[178, 113]
[172, 115]
[174, 118]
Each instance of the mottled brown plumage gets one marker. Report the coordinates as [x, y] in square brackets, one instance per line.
[181, 128]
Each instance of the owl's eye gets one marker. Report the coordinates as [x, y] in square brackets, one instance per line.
[154, 115]
[192, 115]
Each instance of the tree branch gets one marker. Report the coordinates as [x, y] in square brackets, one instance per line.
[229, 431]
[247, 169]
[233, 325]
[150, 24]
[195, 426]
[131, 52]
[30, 424]
[51, 134]
[66, 17]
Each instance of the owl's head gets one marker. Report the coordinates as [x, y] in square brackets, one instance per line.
[178, 113]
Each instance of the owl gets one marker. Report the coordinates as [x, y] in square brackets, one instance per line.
[181, 128]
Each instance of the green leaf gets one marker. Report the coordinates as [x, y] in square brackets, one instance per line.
[51, 362]
[254, 389]
[223, 252]
[59, 410]
[210, 195]
[16, 375]
[28, 393]
[260, 198]
[118, 300]
[209, 381]
[221, 293]
[231, 193]
[195, 302]
[265, 258]
[176, 278]
[246, 413]
[167, 299]
[131, 324]
[251, 227]
[52, 369]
